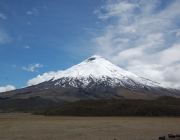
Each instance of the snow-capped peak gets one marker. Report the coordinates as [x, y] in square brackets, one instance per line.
[100, 70]
[97, 67]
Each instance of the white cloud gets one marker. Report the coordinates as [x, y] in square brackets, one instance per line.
[142, 37]
[7, 88]
[170, 55]
[34, 11]
[3, 16]
[42, 78]
[27, 47]
[32, 67]
[169, 76]
[29, 13]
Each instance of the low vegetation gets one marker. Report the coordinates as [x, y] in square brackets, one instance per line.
[163, 106]
[23, 126]
[27, 105]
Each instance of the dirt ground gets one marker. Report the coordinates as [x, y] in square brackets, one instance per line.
[17, 126]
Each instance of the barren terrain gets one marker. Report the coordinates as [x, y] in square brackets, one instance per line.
[16, 126]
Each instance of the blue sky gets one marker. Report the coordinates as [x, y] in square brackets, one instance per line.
[39, 38]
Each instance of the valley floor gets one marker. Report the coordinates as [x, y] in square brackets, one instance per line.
[16, 126]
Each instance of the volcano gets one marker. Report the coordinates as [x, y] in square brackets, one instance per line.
[96, 73]
[94, 78]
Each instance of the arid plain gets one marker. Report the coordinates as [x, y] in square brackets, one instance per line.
[16, 126]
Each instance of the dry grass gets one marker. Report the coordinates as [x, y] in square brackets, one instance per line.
[28, 127]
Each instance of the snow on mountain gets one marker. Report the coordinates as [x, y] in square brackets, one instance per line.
[98, 70]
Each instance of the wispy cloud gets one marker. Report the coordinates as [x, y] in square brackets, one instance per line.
[34, 11]
[3, 16]
[114, 9]
[29, 23]
[7, 88]
[33, 67]
[27, 47]
[45, 7]
[14, 66]
[142, 37]
[29, 12]
[4, 37]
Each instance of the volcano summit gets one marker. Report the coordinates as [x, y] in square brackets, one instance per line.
[97, 71]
